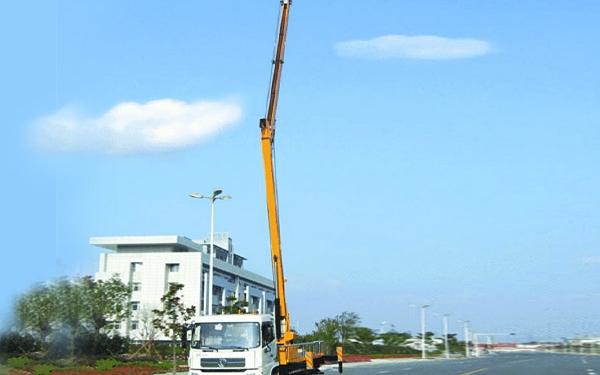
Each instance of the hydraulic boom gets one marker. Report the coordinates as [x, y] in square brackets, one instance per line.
[249, 344]
[267, 126]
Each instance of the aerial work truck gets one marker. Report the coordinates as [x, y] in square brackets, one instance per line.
[259, 344]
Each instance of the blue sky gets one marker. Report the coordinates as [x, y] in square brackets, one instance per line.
[427, 152]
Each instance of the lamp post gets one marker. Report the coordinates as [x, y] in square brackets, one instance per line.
[445, 324]
[423, 307]
[466, 330]
[212, 198]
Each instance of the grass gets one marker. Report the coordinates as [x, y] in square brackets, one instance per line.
[26, 366]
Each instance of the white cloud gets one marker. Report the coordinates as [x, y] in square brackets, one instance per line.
[419, 47]
[133, 128]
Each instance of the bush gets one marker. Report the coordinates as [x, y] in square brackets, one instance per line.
[43, 369]
[18, 363]
[89, 343]
[165, 350]
[106, 364]
[118, 370]
[13, 343]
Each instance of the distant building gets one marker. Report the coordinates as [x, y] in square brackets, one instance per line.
[583, 341]
[150, 263]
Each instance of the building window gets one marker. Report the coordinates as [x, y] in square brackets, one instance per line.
[135, 266]
[134, 325]
[135, 306]
[173, 267]
[136, 287]
[113, 326]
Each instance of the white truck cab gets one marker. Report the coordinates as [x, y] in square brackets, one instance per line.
[241, 344]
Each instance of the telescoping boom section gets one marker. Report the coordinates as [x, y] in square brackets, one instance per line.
[285, 335]
[259, 344]
[290, 355]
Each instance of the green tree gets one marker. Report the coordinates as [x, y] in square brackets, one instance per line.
[59, 311]
[105, 300]
[394, 342]
[326, 331]
[347, 324]
[173, 316]
[364, 335]
[393, 338]
[361, 342]
[454, 345]
[70, 309]
[36, 311]
[335, 331]
[234, 306]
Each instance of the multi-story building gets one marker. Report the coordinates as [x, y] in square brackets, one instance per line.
[150, 263]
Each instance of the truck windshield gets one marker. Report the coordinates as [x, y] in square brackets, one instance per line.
[238, 335]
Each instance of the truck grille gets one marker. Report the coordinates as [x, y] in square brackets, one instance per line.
[222, 362]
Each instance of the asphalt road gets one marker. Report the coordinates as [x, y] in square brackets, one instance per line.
[496, 364]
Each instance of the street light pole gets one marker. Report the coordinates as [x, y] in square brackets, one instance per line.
[212, 198]
[423, 307]
[466, 330]
[445, 324]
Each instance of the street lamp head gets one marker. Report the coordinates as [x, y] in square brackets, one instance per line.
[423, 306]
[225, 197]
[217, 191]
[196, 195]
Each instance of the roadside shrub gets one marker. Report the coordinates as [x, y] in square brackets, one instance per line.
[18, 363]
[118, 370]
[43, 369]
[106, 364]
[13, 343]
[165, 350]
[89, 343]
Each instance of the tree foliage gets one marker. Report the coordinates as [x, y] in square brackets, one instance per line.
[345, 330]
[173, 317]
[14, 344]
[336, 331]
[59, 312]
[234, 306]
[105, 300]
[37, 310]
[347, 324]
[326, 331]
[71, 305]
[393, 338]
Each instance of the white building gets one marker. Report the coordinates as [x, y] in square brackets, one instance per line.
[150, 263]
